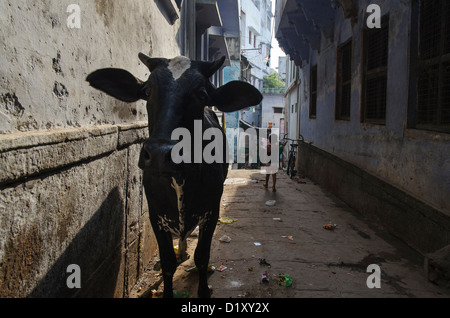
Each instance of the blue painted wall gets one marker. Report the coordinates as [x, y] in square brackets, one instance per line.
[414, 160]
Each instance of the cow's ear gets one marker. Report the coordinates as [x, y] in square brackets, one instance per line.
[118, 83]
[234, 96]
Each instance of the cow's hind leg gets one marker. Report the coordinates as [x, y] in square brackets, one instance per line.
[202, 254]
[182, 251]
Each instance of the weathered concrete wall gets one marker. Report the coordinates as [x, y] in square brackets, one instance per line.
[415, 161]
[70, 189]
[44, 63]
[73, 197]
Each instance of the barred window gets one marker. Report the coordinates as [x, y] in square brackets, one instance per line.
[344, 81]
[376, 44]
[313, 93]
[278, 110]
[433, 91]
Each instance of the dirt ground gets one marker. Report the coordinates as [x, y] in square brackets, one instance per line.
[290, 237]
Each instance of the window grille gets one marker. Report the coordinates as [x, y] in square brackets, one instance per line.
[313, 92]
[344, 81]
[277, 110]
[433, 92]
[376, 45]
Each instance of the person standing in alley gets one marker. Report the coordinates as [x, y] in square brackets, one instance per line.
[270, 170]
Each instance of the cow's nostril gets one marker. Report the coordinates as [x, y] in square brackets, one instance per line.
[157, 156]
[146, 155]
[148, 158]
[145, 158]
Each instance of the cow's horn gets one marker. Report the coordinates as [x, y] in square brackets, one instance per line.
[210, 68]
[151, 63]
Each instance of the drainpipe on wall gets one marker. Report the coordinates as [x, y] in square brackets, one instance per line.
[299, 105]
[190, 23]
[169, 9]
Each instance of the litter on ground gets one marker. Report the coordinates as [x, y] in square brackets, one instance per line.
[330, 226]
[284, 280]
[225, 239]
[211, 268]
[184, 294]
[221, 268]
[262, 261]
[227, 220]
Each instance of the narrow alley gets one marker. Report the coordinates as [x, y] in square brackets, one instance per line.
[289, 237]
[102, 101]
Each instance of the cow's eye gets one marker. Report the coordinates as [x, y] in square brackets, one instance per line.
[202, 94]
[146, 90]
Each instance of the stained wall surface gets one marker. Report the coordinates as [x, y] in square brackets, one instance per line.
[70, 188]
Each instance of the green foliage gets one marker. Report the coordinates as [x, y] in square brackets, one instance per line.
[272, 81]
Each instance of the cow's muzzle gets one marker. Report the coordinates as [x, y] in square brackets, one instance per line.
[156, 155]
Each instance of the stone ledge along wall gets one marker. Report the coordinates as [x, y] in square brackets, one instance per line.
[70, 188]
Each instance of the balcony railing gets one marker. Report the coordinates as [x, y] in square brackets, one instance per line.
[274, 91]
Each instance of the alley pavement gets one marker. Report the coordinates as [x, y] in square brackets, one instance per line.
[305, 232]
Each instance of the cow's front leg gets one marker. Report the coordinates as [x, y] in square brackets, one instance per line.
[168, 262]
[202, 253]
[167, 256]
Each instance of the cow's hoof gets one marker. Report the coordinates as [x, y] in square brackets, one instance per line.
[168, 294]
[204, 293]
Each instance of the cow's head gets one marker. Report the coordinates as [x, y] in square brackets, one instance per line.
[176, 92]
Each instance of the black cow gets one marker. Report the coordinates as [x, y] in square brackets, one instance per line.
[180, 196]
